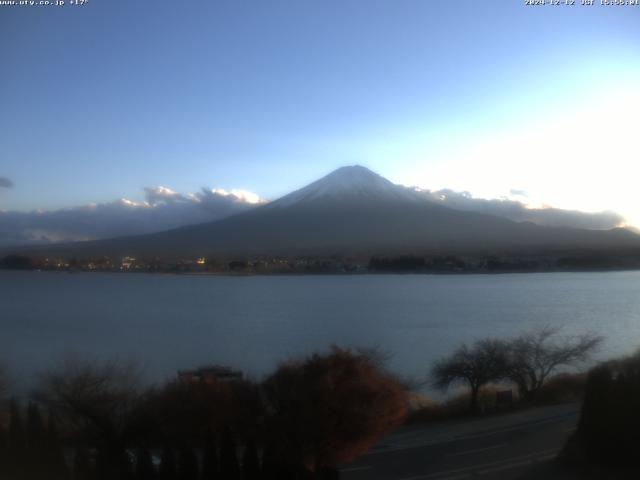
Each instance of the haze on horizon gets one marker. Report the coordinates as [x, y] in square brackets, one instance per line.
[501, 100]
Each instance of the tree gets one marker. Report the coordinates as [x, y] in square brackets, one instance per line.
[535, 355]
[167, 470]
[474, 366]
[114, 461]
[95, 398]
[210, 457]
[4, 453]
[187, 464]
[4, 381]
[82, 467]
[17, 441]
[608, 430]
[271, 464]
[186, 410]
[98, 400]
[328, 409]
[275, 466]
[4, 437]
[17, 262]
[35, 430]
[229, 468]
[36, 441]
[250, 462]
[54, 462]
[144, 465]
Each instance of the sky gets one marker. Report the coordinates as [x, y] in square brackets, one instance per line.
[100, 101]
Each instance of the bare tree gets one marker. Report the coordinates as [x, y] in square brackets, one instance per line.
[329, 409]
[90, 395]
[535, 355]
[474, 366]
[96, 401]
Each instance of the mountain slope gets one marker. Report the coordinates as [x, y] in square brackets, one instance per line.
[353, 210]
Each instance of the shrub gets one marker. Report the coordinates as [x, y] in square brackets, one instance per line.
[609, 427]
[328, 409]
[564, 387]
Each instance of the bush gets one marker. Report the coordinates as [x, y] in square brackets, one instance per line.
[456, 406]
[609, 427]
[328, 409]
[564, 387]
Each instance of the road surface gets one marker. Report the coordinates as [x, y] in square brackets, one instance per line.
[498, 447]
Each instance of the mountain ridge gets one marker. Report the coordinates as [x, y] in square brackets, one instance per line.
[352, 210]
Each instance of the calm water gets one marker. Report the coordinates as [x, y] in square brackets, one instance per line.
[169, 322]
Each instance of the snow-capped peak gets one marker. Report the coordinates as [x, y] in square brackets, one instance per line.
[348, 183]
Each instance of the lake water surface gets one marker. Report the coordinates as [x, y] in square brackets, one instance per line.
[168, 322]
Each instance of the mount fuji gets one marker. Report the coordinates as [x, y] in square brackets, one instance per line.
[355, 211]
[353, 184]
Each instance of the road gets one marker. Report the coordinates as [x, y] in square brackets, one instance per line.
[499, 447]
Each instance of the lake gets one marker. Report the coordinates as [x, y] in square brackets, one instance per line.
[170, 322]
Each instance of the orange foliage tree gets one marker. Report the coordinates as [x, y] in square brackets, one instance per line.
[328, 409]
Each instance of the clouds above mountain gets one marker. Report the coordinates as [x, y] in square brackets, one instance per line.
[5, 182]
[520, 212]
[206, 198]
[162, 209]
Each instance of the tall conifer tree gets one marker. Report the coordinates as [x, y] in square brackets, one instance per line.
[210, 462]
[229, 468]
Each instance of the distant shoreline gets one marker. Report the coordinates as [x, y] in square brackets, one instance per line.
[338, 264]
[324, 274]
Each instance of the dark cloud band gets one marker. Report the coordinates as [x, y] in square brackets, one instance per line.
[5, 182]
[163, 210]
[520, 212]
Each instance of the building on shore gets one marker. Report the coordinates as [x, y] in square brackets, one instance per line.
[209, 374]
